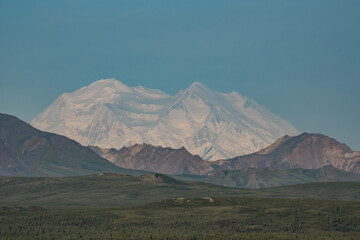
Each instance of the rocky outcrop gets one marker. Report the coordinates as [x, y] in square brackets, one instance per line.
[156, 159]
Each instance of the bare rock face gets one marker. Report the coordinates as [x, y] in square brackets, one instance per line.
[308, 151]
[156, 159]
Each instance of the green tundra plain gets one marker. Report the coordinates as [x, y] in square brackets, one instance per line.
[117, 206]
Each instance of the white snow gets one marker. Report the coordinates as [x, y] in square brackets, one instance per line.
[213, 125]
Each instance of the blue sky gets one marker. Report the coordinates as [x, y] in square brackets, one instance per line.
[300, 59]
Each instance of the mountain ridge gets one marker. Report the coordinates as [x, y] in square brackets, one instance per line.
[155, 159]
[307, 151]
[26, 151]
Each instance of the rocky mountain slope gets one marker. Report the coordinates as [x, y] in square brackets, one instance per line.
[156, 159]
[26, 151]
[207, 123]
[308, 151]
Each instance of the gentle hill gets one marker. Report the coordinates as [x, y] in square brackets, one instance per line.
[308, 151]
[111, 189]
[26, 151]
[104, 189]
[271, 177]
[156, 159]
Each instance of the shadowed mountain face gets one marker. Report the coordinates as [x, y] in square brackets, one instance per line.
[308, 151]
[156, 159]
[26, 151]
[270, 177]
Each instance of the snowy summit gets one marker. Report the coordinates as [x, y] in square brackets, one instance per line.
[213, 125]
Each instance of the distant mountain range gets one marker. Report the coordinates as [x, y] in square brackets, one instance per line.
[26, 151]
[307, 151]
[271, 177]
[213, 125]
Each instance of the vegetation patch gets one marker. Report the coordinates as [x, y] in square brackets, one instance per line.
[188, 218]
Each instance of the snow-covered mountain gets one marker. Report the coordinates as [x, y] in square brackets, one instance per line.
[211, 124]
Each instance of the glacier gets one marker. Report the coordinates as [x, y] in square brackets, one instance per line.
[211, 124]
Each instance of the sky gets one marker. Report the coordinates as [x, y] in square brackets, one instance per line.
[300, 59]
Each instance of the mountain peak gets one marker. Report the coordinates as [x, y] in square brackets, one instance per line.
[108, 81]
[312, 150]
[198, 86]
[111, 83]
